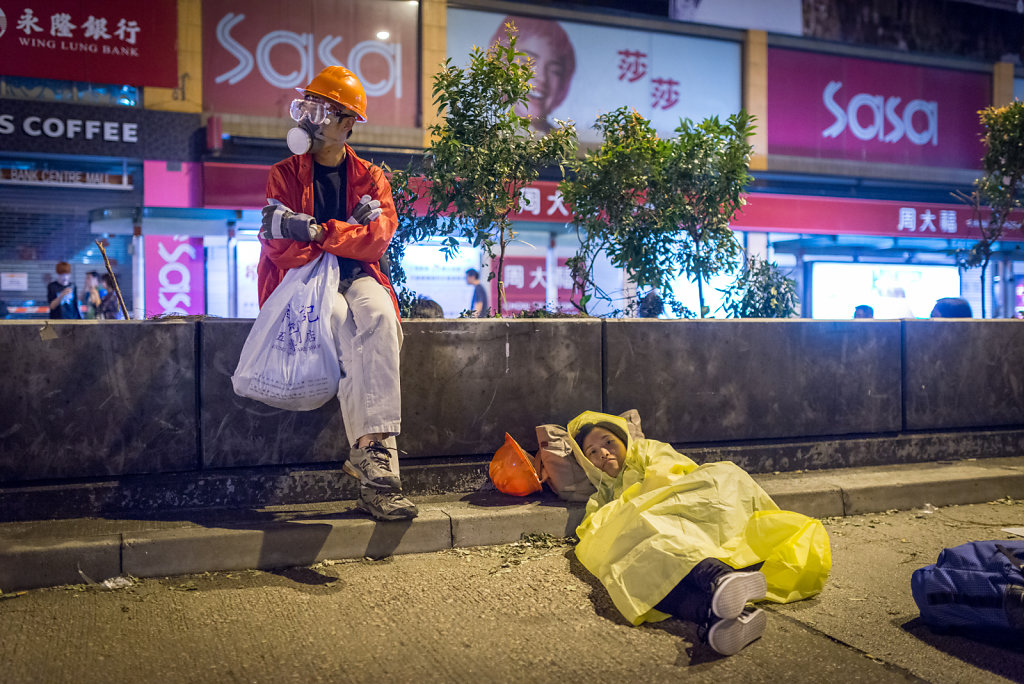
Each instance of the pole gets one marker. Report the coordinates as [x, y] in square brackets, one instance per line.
[113, 279]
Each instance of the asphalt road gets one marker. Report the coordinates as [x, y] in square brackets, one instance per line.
[526, 612]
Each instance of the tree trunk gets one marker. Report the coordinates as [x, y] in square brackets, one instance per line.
[984, 266]
[502, 242]
[700, 294]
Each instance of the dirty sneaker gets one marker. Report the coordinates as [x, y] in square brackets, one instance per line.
[371, 465]
[733, 590]
[729, 637]
[385, 505]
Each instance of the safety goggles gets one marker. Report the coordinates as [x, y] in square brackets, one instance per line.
[315, 111]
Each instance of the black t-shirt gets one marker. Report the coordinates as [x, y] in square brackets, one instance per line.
[479, 295]
[330, 198]
[66, 309]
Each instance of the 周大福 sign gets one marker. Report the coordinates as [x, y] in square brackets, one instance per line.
[772, 213]
[831, 107]
[255, 54]
[108, 41]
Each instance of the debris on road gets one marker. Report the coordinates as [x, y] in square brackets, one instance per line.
[121, 582]
[530, 547]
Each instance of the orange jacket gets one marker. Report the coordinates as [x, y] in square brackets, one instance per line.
[291, 183]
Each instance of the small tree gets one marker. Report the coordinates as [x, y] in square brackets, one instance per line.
[413, 226]
[483, 154]
[762, 290]
[699, 192]
[1000, 188]
[607, 194]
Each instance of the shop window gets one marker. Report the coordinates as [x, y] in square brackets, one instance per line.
[75, 92]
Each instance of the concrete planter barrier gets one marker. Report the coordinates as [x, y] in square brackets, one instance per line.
[961, 374]
[730, 380]
[85, 403]
[464, 384]
[88, 399]
[243, 432]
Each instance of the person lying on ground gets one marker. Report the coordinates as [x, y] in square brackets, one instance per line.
[669, 538]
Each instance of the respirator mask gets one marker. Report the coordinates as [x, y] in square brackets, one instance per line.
[310, 116]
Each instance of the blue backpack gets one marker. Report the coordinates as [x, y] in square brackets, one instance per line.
[979, 585]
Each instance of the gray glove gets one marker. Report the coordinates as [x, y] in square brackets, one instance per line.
[281, 222]
[367, 210]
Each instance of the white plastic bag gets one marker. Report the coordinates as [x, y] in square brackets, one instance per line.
[289, 359]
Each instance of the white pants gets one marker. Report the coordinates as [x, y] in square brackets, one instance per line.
[368, 337]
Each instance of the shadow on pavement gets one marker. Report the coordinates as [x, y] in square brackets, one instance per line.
[1000, 653]
[492, 498]
[690, 650]
[305, 576]
[291, 540]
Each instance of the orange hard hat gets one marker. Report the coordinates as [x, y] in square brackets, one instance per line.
[339, 85]
[512, 471]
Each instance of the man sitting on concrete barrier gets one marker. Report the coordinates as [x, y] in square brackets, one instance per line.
[308, 196]
[667, 537]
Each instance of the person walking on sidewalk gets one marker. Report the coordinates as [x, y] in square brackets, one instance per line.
[62, 295]
[325, 198]
[667, 537]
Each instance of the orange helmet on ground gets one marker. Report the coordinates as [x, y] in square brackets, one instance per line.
[512, 471]
[339, 85]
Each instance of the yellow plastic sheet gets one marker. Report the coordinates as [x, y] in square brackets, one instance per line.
[647, 527]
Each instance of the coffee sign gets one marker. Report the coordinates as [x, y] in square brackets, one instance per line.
[53, 127]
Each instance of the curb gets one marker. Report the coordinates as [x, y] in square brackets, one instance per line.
[45, 553]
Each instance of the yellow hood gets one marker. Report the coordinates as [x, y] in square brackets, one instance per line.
[597, 477]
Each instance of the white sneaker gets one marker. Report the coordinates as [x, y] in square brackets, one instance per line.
[729, 637]
[732, 591]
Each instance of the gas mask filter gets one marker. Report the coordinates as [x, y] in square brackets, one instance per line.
[310, 115]
[305, 137]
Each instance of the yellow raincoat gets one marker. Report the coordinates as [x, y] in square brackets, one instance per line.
[648, 527]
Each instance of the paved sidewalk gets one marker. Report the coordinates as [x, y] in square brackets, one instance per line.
[72, 551]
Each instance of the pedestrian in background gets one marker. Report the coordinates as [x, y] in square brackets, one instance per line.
[62, 295]
[109, 308]
[93, 294]
[425, 307]
[478, 304]
[952, 307]
[863, 311]
[651, 306]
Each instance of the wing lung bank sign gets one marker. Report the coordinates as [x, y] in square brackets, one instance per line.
[175, 268]
[256, 52]
[584, 70]
[33, 126]
[865, 110]
[100, 41]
